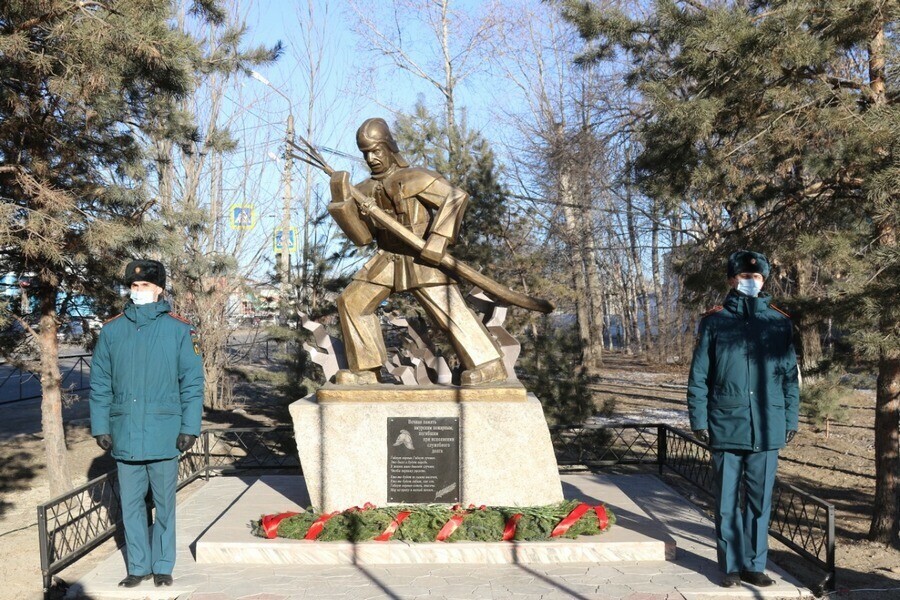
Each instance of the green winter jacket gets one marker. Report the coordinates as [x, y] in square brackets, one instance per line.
[146, 382]
[743, 387]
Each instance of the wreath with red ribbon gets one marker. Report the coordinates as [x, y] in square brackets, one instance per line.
[438, 523]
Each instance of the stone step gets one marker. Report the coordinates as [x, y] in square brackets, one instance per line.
[635, 537]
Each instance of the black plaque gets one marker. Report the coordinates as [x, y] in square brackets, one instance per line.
[423, 459]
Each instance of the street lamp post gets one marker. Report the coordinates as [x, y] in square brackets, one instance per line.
[288, 197]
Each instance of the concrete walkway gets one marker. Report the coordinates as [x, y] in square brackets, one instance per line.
[692, 575]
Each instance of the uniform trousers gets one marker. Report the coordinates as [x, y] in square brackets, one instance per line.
[149, 552]
[742, 534]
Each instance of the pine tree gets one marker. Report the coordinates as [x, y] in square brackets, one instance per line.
[777, 125]
[76, 82]
[494, 236]
[467, 160]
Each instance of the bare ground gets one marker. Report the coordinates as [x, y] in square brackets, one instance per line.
[839, 469]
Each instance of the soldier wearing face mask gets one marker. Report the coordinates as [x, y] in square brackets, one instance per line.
[146, 404]
[743, 399]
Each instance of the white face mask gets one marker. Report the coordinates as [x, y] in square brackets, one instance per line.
[750, 287]
[142, 296]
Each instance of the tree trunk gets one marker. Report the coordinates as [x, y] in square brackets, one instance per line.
[55, 451]
[810, 343]
[577, 265]
[661, 309]
[639, 290]
[595, 292]
[884, 526]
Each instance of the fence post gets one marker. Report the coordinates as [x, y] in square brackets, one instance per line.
[662, 445]
[831, 583]
[206, 455]
[46, 576]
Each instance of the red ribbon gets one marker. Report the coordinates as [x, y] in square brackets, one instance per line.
[510, 531]
[366, 506]
[570, 520]
[270, 523]
[318, 525]
[602, 519]
[455, 521]
[392, 528]
[450, 526]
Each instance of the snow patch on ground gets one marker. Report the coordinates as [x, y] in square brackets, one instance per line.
[666, 416]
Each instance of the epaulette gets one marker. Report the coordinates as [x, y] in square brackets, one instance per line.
[712, 311]
[111, 319]
[775, 308]
[180, 318]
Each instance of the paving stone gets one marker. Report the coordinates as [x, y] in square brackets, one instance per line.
[693, 575]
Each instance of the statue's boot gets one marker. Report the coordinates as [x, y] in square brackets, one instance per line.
[348, 377]
[489, 372]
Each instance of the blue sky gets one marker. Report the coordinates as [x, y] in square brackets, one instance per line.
[347, 92]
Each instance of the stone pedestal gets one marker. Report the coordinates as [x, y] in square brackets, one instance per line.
[505, 454]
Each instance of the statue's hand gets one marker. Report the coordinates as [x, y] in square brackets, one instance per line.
[366, 205]
[434, 249]
[702, 435]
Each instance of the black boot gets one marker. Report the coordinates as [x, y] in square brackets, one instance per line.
[757, 578]
[160, 580]
[133, 580]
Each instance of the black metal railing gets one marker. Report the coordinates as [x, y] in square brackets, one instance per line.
[72, 525]
[799, 520]
[14, 384]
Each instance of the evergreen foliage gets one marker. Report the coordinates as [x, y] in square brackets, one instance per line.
[552, 361]
[777, 125]
[483, 524]
[822, 402]
[78, 83]
[471, 166]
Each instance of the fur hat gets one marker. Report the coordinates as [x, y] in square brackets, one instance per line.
[747, 261]
[151, 271]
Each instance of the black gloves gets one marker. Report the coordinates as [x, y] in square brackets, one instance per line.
[790, 436]
[104, 441]
[702, 435]
[185, 441]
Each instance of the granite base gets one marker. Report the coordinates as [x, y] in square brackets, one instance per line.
[506, 456]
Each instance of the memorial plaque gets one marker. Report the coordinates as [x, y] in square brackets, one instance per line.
[423, 459]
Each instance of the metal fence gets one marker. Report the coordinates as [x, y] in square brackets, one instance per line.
[15, 383]
[72, 525]
[799, 520]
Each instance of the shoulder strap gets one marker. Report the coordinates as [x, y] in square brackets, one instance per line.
[776, 309]
[180, 318]
[713, 310]
[111, 319]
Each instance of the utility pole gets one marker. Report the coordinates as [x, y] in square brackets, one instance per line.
[286, 211]
[285, 266]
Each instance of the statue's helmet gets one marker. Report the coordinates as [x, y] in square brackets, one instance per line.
[376, 131]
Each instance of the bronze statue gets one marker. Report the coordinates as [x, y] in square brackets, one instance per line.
[413, 214]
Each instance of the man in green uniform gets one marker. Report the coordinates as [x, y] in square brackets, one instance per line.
[743, 398]
[146, 404]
